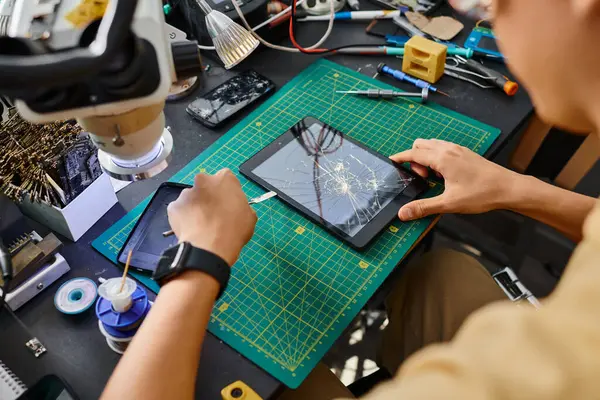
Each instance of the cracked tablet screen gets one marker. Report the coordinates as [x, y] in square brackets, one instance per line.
[343, 184]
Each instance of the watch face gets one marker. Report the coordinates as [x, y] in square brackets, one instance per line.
[171, 261]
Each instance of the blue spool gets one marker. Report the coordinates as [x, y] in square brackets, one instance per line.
[127, 320]
[124, 334]
[119, 334]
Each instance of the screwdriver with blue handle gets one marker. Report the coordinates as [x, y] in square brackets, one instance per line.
[403, 77]
[397, 51]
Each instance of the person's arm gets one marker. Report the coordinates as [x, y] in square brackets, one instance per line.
[560, 208]
[162, 360]
[475, 185]
[505, 351]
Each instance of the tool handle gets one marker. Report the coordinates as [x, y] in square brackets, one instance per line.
[415, 81]
[460, 51]
[506, 85]
[239, 390]
[381, 93]
[396, 40]
[401, 76]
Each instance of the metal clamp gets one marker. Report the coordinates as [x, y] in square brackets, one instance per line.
[515, 290]
[36, 347]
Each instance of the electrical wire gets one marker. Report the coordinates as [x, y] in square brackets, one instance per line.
[314, 49]
[284, 48]
[292, 36]
[276, 16]
[481, 21]
[262, 24]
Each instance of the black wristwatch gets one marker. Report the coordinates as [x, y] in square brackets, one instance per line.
[183, 257]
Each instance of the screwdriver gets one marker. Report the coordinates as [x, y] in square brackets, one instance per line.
[387, 93]
[398, 51]
[491, 76]
[401, 76]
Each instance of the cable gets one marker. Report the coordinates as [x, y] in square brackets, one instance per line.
[297, 49]
[273, 18]
[290, 49]
[262, 24]
[257, 27]
[310, 50]
[293, 38]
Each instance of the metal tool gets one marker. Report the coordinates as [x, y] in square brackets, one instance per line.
[403, 77]
[476, 69]
[452, 72]
[515, 289]
[34, 153]
[397, 51]
[354, 5]
[387, 93]
[408, 27]
[354, 15]
[19, 243]
[262, 198]
[254, 200]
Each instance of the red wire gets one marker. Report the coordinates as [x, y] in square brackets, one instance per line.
[293, 39]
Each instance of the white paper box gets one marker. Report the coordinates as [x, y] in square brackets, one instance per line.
[80, 214]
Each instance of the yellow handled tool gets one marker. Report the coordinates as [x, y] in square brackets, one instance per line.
[239, 391]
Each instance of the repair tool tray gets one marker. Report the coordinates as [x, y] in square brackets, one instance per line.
[295, 287]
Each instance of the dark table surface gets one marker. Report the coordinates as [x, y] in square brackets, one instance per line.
[76, 349]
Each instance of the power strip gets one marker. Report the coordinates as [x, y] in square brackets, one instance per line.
[321, 7]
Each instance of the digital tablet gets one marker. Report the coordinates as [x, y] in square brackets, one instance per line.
[335, 181]
[146, 240]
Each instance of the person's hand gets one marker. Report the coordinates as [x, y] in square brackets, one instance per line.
[214, 215]
[472, 183]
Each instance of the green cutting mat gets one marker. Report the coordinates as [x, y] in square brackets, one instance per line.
[296, 288]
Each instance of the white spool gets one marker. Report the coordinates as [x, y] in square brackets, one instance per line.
[120, 300]
[118, 345]
[75, 296]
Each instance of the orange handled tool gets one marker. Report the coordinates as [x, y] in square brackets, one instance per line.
[493, 77]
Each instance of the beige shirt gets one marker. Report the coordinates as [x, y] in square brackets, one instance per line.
[508, 352]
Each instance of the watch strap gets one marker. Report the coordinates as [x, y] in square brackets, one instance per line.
[210, 263]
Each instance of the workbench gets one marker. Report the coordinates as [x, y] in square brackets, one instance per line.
[77, 351]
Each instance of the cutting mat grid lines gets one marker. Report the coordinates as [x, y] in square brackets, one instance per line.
[295, 287]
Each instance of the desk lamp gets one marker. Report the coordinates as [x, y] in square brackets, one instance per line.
[232, 42]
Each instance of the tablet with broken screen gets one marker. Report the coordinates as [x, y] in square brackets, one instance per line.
[337, 182]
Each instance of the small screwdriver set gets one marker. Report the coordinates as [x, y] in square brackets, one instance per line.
[51, 163]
